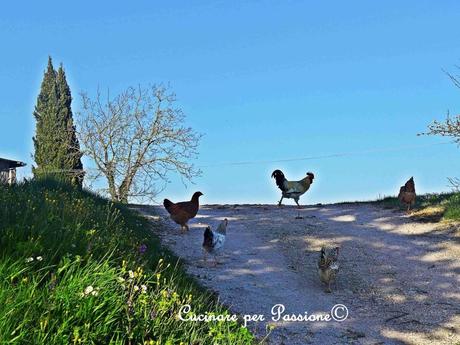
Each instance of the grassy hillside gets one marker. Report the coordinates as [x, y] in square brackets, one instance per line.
[77, 269]
[443, 206]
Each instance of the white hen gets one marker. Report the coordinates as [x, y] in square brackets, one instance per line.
[214, 240]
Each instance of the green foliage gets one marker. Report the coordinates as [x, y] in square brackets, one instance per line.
[71, 272]
[452, 211]
[57, 150]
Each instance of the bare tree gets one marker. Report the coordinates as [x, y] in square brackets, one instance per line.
[136, 139]
[450, 127]
[454, 183]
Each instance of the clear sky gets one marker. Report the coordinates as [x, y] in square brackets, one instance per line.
[262, 80]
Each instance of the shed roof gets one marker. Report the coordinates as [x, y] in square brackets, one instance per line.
[12, 164]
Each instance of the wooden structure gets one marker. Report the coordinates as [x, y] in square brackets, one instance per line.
[8, 170]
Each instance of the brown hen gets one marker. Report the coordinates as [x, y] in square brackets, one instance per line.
[182, 212]
[328, 265]
[407, 193]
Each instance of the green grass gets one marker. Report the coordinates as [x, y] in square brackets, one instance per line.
[436, 206]
[71, 272]
[452, 211]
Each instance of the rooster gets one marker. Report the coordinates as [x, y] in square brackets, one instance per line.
[214, 240]
[292, 189]
[328, 265]
[182, 212]
[407, 193]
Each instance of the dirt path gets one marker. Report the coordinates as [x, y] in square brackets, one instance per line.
[398, 279]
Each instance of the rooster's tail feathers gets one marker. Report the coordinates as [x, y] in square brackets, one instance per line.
[279, 178]
[277, 172]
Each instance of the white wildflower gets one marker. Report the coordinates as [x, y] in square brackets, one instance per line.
[88, 290]
[39, 258]
[131, 274]
[136, 288]
[30, 259]
[95, 293]
[144, 288]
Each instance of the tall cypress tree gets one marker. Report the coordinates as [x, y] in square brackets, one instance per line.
[57, 150]
[70, 141]
[45, 116]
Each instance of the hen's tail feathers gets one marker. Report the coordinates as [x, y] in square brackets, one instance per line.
[168, 204]
[335, 253]
[328, 256]
[323, 253]
[279, 178]
[207, 237]
[410, 185]
[222, 229]
[322, 258]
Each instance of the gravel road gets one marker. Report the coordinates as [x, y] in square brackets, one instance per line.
[399, 279]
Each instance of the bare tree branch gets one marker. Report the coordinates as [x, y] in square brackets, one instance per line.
[136, 139]
[450, 127]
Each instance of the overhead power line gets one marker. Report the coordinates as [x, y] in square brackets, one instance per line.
[332, 155]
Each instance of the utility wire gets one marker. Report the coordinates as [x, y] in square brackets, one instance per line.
[333, 155]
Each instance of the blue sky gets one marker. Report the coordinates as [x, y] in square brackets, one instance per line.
[262, 80]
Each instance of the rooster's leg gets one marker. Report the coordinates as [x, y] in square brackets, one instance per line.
[329, 287]
[297, 202]
[279, 202]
